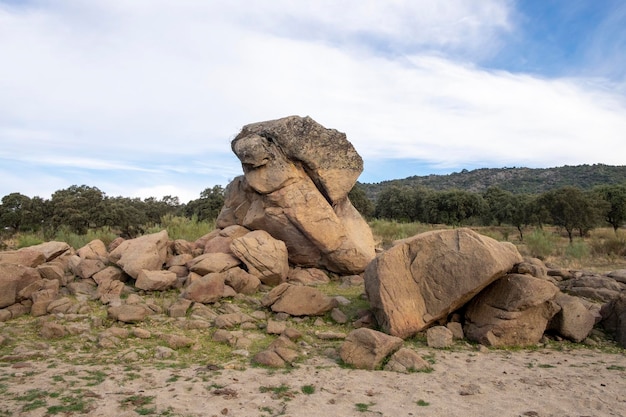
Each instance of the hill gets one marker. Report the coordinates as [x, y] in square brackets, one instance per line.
[515, 180]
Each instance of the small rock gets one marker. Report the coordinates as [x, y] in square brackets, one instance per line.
[339, 316]
[439, 337]
[163, 352]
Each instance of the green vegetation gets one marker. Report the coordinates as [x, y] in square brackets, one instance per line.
[362, 407]
[422, 403]
[308, 389]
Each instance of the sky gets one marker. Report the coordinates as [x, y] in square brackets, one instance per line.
[141, 98]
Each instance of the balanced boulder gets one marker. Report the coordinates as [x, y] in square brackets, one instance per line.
[297, 176]
[424, 278]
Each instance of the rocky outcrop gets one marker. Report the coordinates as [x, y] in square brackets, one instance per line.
[297, 175]
[423, 279]
[513, 311]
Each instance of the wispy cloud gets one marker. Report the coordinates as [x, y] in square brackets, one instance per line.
[144, 97]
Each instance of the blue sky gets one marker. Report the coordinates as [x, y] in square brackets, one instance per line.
[142, 98]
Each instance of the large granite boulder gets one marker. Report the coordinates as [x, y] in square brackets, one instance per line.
[513, 311]
[145, 252]
[297, 176]
[424, 278]
[13, 279]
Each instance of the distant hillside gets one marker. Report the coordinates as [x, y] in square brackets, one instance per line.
[515, 180]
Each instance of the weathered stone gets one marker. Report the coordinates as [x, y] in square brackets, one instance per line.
[13, 279]
[406, 361]
[51, 250]
[179, 260]
[424, 278]
[52, 271]
[52, 330]
[128, 313]
[574, 321]
[176, 341]
[457, 330]
[439, 337]
[241, 281]
[230, 320]
[366, 348]
[179, 308]
[95, 249]
[599, 288]
[212, 262]
[338, 316]
[155, 280]
[141, 333]
[145, 252]
[275, 327]
[87, 268]
[83, 290]
[206, 289]
[61, 305]
[265, 257]
[222, 241]
[110, 290]
[614, 319]
[513, 311]
[270, 359]
[297, 300]
[618, 275]
[308, 276]
[25, 257]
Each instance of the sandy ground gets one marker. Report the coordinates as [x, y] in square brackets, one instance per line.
[580, 382]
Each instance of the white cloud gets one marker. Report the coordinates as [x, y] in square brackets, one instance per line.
[155, 91]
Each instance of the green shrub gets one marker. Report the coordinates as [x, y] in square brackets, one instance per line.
[64, 234]
[611, 246]
[24, 241]
[541, 244]
[577, 250]
[182, 227]
[386, 231]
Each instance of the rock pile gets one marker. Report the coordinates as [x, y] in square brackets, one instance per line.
[287, 227]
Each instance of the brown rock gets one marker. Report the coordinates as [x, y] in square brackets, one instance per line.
[96, 249]
[269, 358]
[230, 320]
[212, 262]
[308, 276]
[406, 361]
[179, 308]
[87, 268]
[51, 250]
[424, 278]
[265, 257]
[52, 330]
[13, 279]
[128, 313]
[52, 271]
[574, 321]
[145, 252]
[439, 337]
[155, 280]
[366, 348]
[25, 257]
[513, 311]
[109, 290]
[614, 318]
[176, 342]
[299, 301]
[241, 281]
[206, 289]
[110, 273]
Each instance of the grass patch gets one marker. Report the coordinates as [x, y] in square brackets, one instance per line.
[307, 389]
[362, 407]
[282, 392]
[616, 368]
[422, 403]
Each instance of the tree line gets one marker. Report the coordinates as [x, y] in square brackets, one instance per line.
[575, 210]
[80, 208]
